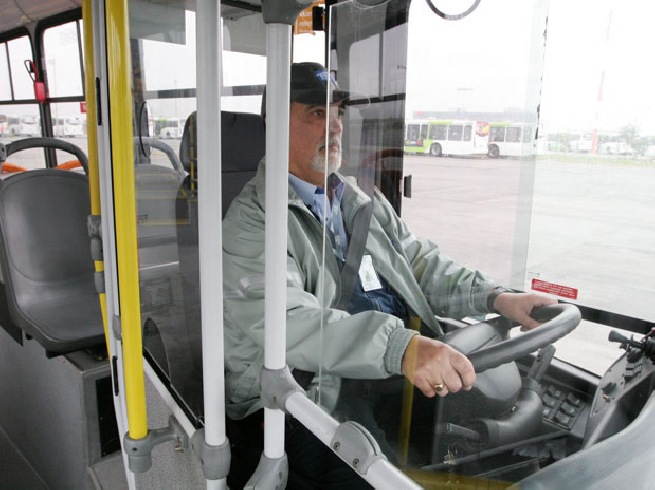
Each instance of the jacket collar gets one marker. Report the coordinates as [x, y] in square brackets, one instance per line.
[353, 196]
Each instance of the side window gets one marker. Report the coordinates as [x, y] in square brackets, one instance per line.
[438, 132]
[21, 88]
[513, 134]
[63, 51]
[63, 59]
[18, 120]
[468, 131]
[5, 85]
[497, 134]
[455, 132]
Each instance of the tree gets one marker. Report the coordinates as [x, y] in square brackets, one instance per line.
[636, 144]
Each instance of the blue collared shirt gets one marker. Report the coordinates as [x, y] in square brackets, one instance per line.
[328, 211]
[384, 299]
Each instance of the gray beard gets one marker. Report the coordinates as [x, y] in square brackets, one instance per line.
[333, 161]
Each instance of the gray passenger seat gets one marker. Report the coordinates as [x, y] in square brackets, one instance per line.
[46, 259]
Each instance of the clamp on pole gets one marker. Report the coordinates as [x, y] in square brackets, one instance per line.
[139, 451]
[215, 459]
[283, 11]
[277, 385]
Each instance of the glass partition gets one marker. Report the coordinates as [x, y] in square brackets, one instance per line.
[166, 173]
[442, 116]
[513, 141]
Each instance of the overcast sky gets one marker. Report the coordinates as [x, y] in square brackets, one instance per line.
[486, 61]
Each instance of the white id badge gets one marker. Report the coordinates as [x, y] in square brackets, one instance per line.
[367, 275]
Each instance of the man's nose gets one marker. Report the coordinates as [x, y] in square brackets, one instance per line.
[336, 125]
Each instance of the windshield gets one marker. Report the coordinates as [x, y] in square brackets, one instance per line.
[495, 161]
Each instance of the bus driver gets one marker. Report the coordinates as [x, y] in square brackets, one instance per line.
[409, 277]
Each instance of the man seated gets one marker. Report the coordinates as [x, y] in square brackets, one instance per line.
[400, 277]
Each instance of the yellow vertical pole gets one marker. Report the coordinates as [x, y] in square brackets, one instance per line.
[92, 139]
[120, 107]
[406, 412]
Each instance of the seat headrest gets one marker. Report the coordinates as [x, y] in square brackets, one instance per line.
[243, 142]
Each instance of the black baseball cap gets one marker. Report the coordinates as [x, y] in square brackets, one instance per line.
[309, 85]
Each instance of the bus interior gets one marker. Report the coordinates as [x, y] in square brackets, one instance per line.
[112, 360]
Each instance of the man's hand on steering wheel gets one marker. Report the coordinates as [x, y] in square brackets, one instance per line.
[436, 368]
[518, 306]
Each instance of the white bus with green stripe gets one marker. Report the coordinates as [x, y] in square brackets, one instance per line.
[447, 137]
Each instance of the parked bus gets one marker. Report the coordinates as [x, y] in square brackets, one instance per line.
[581, 142]
[511, 140]
[169, 127]
[68, 127]
[112, 354]
[454, 138]
[23, 126]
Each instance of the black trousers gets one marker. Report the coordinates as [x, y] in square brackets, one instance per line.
[374, 404]
[312, 465]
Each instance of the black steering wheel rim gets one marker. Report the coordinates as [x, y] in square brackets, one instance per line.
[560, 319]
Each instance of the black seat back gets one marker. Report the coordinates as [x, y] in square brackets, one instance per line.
[46, 259]
[242, 149]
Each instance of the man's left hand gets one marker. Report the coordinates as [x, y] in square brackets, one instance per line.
[517, 307]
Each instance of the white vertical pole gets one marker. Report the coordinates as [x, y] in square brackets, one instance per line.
[210, 239]
[278, 45]
[108, 231]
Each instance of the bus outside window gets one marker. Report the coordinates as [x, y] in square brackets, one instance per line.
[453, 138]
[582, 143]
[169, 127]
[511, 140]
[67, 127]
[3, 124]
[23, 126]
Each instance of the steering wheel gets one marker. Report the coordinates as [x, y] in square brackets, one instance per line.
[481, 343]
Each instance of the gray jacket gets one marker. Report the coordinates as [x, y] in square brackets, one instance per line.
[320, 339]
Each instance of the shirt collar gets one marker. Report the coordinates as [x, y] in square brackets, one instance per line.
[306, 190]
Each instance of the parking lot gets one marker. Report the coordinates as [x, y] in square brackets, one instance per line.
[577, 222]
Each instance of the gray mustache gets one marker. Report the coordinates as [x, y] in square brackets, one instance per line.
[334, 140]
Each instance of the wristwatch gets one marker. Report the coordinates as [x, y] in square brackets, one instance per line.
[493, 294]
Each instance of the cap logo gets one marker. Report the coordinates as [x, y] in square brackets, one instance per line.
[324, 75]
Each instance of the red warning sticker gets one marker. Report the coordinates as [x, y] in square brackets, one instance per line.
[556, 289]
